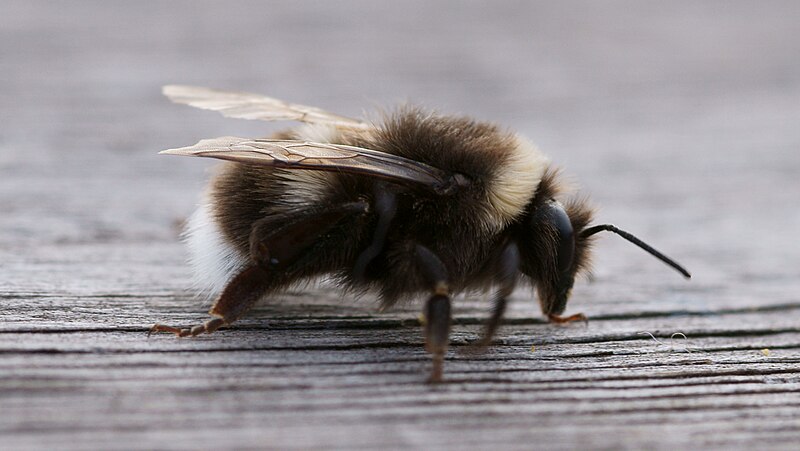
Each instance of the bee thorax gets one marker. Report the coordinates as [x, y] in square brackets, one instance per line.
[515, 183]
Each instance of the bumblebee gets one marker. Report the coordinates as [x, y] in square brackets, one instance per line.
[415, 205]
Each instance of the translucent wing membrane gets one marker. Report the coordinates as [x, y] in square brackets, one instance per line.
[291, 154]
[245, 105]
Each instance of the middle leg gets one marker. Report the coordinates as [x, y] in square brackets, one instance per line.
[437, 308]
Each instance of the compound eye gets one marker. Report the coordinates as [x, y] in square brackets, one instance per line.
[554, 214]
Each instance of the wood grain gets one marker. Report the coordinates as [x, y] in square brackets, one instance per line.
[680, 119]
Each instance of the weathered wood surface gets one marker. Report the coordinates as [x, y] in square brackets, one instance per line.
[680, 118]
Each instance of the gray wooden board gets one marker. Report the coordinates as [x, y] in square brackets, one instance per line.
[680, 120]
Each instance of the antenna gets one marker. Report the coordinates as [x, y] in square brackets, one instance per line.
[610, 228]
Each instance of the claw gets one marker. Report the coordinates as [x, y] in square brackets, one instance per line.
[163, 328]
[209, 327]
[568, 319]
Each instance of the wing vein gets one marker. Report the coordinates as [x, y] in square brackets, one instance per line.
[296, 154]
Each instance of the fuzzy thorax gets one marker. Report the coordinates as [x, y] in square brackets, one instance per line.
[515, 183]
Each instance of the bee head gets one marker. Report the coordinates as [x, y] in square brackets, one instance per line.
[554, 251]
[555, 245]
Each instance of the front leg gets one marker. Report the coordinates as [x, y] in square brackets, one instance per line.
[506, 269]
[557, 319]
[276, 243]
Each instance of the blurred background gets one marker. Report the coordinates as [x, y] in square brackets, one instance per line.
[680, 119]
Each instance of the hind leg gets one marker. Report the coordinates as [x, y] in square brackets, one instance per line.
[276, 243]
[237, 297]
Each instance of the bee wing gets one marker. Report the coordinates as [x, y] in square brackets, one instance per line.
[244, 105]
[295, 154]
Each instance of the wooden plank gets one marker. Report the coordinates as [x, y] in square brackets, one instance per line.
[679, 119]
